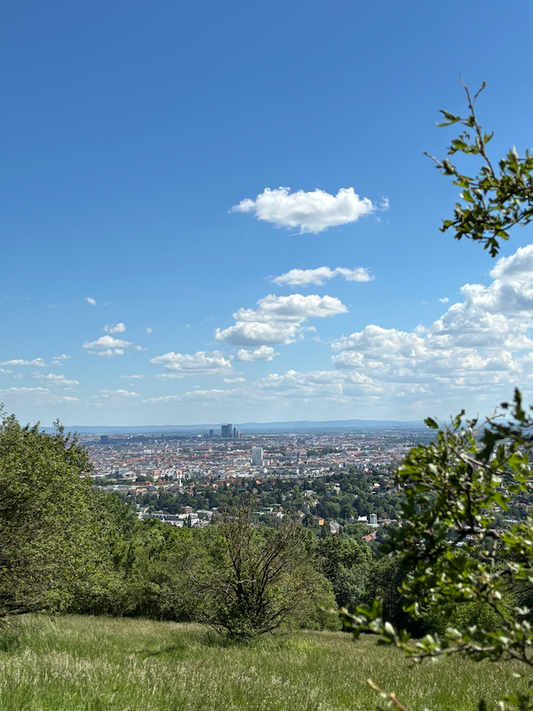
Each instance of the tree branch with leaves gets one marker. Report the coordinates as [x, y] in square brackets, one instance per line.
[449, 542]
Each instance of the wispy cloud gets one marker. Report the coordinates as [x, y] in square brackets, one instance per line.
[108, 352]
[27, 397]
[52, 379]
[200, 363]
[39, 362]
[90, 300]
[317, 277]
[115, 399]
[117, 393]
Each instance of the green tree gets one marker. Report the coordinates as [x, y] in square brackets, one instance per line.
[259, 579]
[451, 550]
[347, 565]
[52, 532]
[159, 565]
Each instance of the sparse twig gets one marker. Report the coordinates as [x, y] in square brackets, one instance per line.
[387, 695]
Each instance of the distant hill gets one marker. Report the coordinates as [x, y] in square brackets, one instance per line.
[254, 427]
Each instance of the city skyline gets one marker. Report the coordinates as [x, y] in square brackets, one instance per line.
[225, 214]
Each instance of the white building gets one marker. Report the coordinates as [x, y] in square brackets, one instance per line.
[257, 456]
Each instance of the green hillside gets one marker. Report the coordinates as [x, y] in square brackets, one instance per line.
[103, 664]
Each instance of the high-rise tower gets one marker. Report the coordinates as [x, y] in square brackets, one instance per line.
[227, 431]
[257, 456]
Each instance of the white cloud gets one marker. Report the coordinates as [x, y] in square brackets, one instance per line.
[116, 328]
[475, 346]
[276, 391]
[472, 356]
[90, 300]
[294, 308]
[206, 395]
[107, 342]
[278, 319]
[381, 342]
[310, 211]
[16, 398]
[200, 363]
[518, 266]
[110, 346]
[133, 377]
[317, 277]
[108, 352]
[115, 400]
[444, 300]
[262, 353]
[313, 384]
[117, 394]
[162, 400]
[39, 362]
[55, 379]
[59, 380]
[37, 391]
[3, 371]
[61, 357]
[149, 330]
[255, 334]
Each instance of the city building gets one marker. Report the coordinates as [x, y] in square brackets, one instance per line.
[226, 431]
[257, 456]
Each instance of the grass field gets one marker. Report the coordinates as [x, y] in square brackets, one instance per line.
[102, 664]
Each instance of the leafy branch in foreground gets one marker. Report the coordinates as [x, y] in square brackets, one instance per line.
[449, 543]
[494, 200]
[452, 548]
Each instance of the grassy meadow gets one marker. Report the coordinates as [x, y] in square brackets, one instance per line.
[105, 664]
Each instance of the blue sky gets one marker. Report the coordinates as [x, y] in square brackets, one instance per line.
[160, 215]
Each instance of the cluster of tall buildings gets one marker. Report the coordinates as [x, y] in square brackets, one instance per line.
[228, 432]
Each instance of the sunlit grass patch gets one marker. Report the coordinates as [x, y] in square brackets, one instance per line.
[104, 664]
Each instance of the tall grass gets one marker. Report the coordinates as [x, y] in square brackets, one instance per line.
[102, 664]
